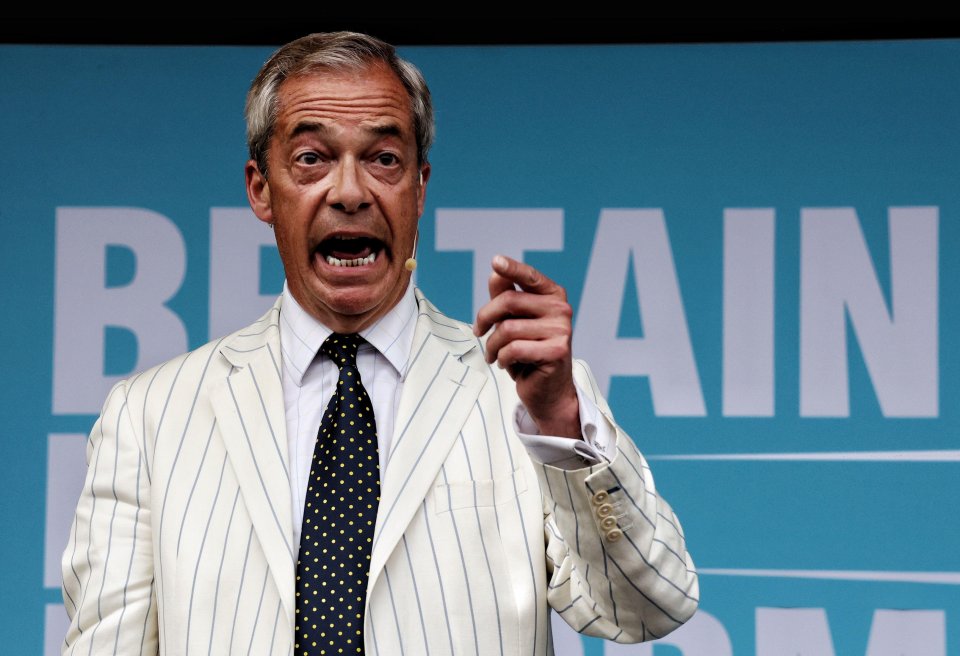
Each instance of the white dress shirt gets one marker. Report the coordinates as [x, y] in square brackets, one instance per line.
[308, 381]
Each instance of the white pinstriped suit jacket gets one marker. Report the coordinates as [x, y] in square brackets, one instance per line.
[182, 540]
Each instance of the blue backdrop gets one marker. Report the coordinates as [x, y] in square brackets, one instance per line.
[772, 226]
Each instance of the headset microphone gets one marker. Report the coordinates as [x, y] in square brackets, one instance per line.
[411, 262]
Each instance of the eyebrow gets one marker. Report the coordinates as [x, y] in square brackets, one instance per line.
[307, 126]
[387, 130]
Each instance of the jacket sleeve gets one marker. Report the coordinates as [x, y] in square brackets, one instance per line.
[616, 554]
[107, 566]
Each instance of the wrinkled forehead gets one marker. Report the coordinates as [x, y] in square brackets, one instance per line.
[371, 95]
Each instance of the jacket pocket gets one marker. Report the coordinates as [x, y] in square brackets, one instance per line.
[478, 493]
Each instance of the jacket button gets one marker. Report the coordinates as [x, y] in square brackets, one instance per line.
[600, 497]
[604, 510]
[608, 523]
[614, 535]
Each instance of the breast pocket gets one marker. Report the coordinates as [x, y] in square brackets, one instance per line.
[479, 493]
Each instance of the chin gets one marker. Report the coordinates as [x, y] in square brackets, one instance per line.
[358, 302]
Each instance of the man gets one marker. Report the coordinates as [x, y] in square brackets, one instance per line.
[498, 485]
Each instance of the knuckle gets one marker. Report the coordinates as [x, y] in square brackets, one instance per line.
[560, 308]
[507, 328]
[512, 299]
[556, 350]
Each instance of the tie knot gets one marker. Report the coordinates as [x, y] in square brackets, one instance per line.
[342, 349]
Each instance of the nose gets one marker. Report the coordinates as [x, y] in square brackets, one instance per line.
[349, 192]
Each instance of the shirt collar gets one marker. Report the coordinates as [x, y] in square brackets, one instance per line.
[301, 335]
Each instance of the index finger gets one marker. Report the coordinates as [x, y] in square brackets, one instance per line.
[498, 284]
[523, 275]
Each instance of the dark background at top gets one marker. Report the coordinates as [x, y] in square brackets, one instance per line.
[470, 30]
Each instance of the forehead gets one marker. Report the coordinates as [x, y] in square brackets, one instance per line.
[370, 97]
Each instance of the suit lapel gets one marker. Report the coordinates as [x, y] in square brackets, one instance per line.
[439, 392]
[249, 408]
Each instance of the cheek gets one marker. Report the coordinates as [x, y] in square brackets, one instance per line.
[291, 244]
[409, 216]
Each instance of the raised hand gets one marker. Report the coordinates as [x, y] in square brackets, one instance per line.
[532, 330]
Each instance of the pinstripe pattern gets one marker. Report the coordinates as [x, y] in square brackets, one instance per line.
[182, 540]
[482, 539]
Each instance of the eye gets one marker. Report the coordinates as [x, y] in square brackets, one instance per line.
[387, 159]
[309, 158]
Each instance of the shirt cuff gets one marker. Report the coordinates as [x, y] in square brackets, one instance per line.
[597, 445]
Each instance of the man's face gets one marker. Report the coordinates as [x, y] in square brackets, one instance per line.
[344, 193]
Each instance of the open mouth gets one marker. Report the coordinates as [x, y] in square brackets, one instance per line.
[350, 251]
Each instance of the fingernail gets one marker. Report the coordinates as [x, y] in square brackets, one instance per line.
[499, 260]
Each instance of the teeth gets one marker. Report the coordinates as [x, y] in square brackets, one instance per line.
[360, 261]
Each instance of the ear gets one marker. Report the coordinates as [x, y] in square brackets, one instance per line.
[258, 192]
[422, 188]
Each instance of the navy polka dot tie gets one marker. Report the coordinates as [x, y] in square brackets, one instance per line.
[340, 512]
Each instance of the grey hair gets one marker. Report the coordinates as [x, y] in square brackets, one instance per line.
[331, 51]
